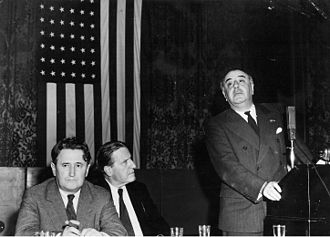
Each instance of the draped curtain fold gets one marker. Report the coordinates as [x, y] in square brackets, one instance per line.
[186, 46]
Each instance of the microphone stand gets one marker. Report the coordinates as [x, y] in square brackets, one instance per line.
[292, 155]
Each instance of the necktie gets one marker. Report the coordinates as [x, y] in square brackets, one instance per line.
[124, 214]
[70, 212]
[252, 122]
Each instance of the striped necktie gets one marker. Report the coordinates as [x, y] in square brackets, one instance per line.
[252, 122]
[70, 212]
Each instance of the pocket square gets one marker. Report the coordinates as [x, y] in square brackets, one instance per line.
[278, 130]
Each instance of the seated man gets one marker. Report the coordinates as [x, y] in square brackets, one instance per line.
[68, 204]
[136, 209]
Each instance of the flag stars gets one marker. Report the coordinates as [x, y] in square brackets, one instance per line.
[62, 61]
[52, 47]
[62, 36]
[82, 37]
[42, 46]
[42, 19]
[61, 9]
[42, 32]
[42, 59]
[91, 13]
[73, 49]
[42, 6]
[73, 74]
[93, 63]
[82, 24]
[71, 10]
[52, 73]
[92, 38]
[92, 26]
[51, 34]
[73, 62]
[42, 72]
[82, 50]
[93, 76]
[62, 22]
[83, 63]
[72, 36]
[82, 12]
[52, 61]
[71, 23]
[52, 22]
[51, 8]
[83, 75]
[92, 50]
[62, 48]
[62, 74]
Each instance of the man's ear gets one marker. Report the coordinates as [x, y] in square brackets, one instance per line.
[252, 85]
[53, 166]
[107, 170]
[224, 94]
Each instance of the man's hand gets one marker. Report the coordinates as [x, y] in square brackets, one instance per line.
[71, 228]
[272, 191]
[92, 232]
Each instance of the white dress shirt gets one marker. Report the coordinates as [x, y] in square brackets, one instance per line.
[64, 196]
[131, 212]
[253, 113]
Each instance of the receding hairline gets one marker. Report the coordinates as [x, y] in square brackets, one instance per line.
[244, 74]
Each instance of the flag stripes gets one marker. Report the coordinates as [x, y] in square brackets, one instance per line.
[95, 103]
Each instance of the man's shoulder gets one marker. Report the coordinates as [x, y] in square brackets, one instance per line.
[270, 108]
[220, 117]
[42, 186]
[136, 185]
[97, 190]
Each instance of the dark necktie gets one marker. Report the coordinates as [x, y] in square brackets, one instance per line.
[252, 122]
[124, 217]
[70, 212]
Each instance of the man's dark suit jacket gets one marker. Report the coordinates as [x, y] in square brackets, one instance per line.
[42, 208]
[244, 162]
[151, 222]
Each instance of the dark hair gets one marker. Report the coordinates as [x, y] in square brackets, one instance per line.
[230, 70]
[103, 156]
[71, 143]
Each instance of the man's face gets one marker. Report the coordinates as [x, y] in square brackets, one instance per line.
[70, 170]
[122, 170]
[238, 89]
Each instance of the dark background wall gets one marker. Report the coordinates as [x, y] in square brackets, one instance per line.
[186, 47]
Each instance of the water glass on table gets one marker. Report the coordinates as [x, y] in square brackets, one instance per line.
[176, 231]
[279, 230]
[204, 230]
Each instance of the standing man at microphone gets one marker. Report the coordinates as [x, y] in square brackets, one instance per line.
[247, 147]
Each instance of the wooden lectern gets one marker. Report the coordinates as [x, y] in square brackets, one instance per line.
[305, 204]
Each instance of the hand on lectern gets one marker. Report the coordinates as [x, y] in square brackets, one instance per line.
[272, 191]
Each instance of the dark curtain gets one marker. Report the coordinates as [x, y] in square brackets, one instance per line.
[17, 83]
[186, 47]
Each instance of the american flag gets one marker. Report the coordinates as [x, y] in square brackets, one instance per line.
[89, 75]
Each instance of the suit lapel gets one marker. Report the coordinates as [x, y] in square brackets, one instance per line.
[84, 207]
[241, 128]
[266, 122]
[56, 206]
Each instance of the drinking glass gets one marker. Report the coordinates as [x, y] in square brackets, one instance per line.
[204, 230]
[279, 230]
[176, 231]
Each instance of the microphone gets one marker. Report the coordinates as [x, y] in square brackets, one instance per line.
[291, 126]
[325, 154]
[291, 122]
